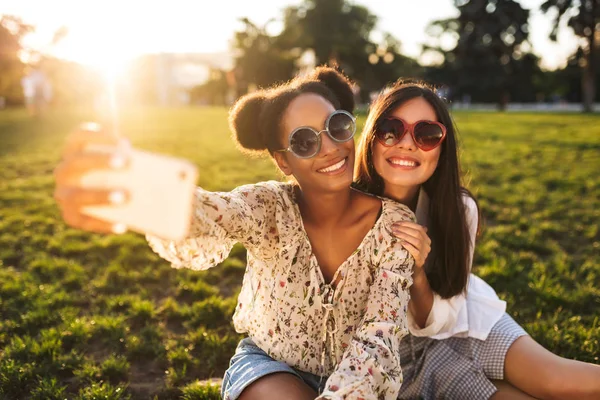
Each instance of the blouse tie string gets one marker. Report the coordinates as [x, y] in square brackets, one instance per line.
[329, 303]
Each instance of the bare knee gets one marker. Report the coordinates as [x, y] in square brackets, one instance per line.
[280, 385]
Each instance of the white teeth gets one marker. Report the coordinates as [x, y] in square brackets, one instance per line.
[333, 167]
[404, 163]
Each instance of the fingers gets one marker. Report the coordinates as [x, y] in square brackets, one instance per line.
[416, 253]
[414, 239]
[410, 226]
[73, 198]
[87, 150]
[70, 171]
[88, 134]
[82, 221]
[412, 229]
[405, 237]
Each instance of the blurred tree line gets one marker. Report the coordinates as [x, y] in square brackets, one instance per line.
[490, 59]
[71, 82]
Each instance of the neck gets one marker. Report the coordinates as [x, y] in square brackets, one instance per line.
[324, 208]
[405, 195]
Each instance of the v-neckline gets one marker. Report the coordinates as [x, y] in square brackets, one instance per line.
[342, 266]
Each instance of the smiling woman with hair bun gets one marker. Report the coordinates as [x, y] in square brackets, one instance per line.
[326, 289]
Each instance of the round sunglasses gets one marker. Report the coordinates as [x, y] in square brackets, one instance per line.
[305, 142]
[427, 135]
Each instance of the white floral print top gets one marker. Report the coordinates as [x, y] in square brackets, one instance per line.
[350, 333]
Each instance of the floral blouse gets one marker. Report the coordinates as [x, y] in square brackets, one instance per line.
[351, 332]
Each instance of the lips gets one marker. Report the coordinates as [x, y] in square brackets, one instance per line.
[338, 165]
[404, 162]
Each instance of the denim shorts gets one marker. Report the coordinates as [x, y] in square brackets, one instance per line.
[251, 363]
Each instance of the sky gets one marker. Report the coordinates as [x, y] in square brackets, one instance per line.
[108, 32]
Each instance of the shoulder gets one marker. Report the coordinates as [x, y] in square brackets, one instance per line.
[471, 214]
[264, 189]
[393, 211]
[471, 209]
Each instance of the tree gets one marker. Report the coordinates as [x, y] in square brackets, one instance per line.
[336, 30]
[584, 18]
[387, 65]
[339, 34]
[488, 55]
[214, 91]
[12, 30]
[260, 61]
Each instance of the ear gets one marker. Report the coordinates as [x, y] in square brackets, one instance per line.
[282, 163]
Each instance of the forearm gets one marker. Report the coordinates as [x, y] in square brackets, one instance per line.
[421, 299]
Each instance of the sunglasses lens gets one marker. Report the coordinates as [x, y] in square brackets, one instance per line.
[304, 143]
[341, 127]
[428, 135]
[389, 132]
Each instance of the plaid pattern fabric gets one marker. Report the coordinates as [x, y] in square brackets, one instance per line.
[456, 368]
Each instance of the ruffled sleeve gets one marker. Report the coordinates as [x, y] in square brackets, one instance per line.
[370, 367]
[220, 219]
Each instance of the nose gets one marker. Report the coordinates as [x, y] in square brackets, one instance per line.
[328, 146]
[407, 142]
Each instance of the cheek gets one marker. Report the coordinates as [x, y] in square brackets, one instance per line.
[433, 157]
[378, 158]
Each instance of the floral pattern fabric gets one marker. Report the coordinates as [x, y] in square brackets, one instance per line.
[351, 332]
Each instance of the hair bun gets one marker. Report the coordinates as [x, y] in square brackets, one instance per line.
[244, 121]
[338, 83]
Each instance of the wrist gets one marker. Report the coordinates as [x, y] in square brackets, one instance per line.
[419, 277]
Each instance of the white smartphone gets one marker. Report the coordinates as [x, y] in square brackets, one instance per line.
[160, 194]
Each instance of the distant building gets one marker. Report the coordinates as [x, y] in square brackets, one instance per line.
[37, 90]
[177, 74]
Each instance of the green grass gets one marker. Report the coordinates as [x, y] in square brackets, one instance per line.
[91, 316]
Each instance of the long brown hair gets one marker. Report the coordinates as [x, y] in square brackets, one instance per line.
[447, 266]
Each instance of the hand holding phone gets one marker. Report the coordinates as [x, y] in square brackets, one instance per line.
[103, 185]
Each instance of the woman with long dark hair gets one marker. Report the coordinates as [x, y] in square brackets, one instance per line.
[461, 337]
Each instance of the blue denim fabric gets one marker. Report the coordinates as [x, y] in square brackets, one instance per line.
[251, 363]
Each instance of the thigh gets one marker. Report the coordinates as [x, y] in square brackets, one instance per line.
[249, 369]
[508, 391]
[554, 376]
[279, 385]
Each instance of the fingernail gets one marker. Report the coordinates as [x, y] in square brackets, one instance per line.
[90, 126]
[116, 197]
[119, 228]
[117, 161]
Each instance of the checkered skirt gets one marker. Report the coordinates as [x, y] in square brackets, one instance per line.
[456, 368]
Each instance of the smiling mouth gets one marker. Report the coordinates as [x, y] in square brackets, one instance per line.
[335, 167]
[404, 163]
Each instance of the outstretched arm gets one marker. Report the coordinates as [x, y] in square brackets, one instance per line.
[220, 219]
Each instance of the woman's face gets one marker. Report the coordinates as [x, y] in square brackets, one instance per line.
[331, 169]
[404, 167]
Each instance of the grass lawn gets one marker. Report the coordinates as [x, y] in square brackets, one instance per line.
[85, 316]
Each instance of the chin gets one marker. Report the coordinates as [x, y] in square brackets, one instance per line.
[405, 183]
[340, 184]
